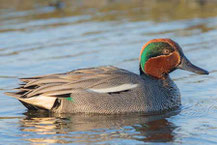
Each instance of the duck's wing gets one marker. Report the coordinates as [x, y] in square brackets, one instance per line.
[42, 91]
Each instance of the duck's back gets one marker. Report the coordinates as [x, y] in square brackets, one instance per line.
[98, 90]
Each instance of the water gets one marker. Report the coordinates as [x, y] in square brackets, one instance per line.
[39, 37]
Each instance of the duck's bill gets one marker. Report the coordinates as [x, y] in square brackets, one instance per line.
[188, 66]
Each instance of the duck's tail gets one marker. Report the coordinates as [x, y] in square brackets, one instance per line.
[34, 103]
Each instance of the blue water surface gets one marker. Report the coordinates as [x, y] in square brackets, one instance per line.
[41, 37]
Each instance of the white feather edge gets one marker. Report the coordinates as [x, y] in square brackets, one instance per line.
[119, 88]
[40, 101]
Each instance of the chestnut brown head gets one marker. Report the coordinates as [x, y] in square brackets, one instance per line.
[159, 57]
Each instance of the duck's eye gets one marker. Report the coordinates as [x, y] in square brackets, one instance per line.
[166, 51]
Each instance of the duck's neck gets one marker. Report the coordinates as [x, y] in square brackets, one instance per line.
[140, 70]
[143, 75]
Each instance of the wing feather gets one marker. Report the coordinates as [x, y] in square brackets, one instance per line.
[98, 80]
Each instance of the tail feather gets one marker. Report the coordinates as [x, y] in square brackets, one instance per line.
[30, 106]
[34, 103]
[12, 94]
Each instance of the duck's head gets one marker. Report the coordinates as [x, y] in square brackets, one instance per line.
[159, 57]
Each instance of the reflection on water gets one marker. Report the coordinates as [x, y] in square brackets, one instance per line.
[68, 128]
[39, 37]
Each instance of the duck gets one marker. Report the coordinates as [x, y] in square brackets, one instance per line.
[109, 89]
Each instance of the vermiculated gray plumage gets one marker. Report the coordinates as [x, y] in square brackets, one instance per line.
[105, 89]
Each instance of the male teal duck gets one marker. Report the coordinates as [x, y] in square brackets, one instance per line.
[109, 89]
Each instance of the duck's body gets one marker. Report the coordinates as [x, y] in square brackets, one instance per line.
[109, 89]
[99, 90]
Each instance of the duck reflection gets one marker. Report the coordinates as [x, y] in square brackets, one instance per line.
[42, 127]
[157, 131]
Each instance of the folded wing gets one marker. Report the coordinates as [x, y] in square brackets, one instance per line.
[41, 92]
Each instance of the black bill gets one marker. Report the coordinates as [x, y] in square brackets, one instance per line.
[187, 65]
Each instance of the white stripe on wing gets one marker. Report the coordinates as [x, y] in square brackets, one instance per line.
[119, 88]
